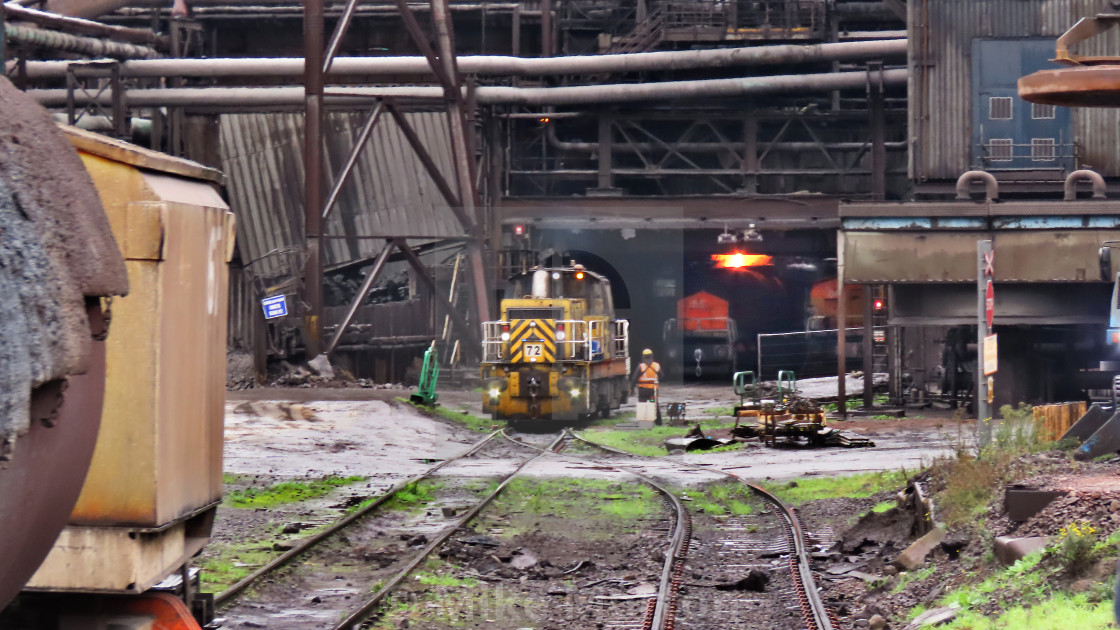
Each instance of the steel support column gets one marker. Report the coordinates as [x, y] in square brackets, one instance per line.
[841, 332]
[868, 348]
[547, 47]
[878, 131]
[463, 153]
[606, 182]
[750, 156]
[313, 170]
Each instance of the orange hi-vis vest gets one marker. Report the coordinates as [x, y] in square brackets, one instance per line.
[649, 374]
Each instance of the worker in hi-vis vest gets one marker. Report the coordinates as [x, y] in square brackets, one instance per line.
[648, 377]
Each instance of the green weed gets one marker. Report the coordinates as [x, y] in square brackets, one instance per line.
[910, 577]
[883, 506]
[468, 420]
[286, 492]
[1060, 611]
[858, 486]
[723, 499]
[648, 442]
[1074, 547]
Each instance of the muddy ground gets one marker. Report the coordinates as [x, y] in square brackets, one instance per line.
[561, 569]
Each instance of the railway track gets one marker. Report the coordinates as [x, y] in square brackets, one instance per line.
[662, 609]
[815, 615]
[336, 534]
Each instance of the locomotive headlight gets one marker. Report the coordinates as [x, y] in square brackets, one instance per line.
[505, 336]
[574, 392]
[495, 392]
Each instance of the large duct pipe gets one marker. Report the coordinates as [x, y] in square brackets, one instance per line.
[84, 8]
[76, 44]
[1084, 175]
[991, 186]
[502, 65]
[84, 27]
[492, 95]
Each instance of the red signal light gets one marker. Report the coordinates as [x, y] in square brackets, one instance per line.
[519, 229]
[878, 304]
[579, 275]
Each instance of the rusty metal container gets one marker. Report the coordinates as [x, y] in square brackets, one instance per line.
[148, 500]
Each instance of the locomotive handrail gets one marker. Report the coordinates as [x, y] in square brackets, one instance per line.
[492, 342]
[574, 346]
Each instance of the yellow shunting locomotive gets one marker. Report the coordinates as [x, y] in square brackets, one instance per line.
[558, 353]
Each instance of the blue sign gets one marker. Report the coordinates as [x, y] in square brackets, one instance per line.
[275, 306]
[596, 349]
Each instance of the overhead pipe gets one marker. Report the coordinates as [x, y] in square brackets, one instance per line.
[88, 46]
[1084, 175]
[709, 147]
[504, 65]
[79, 26]
[991, 186]
[487, 95]
[86, 8]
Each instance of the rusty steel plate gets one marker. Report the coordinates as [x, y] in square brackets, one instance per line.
[1081, 86]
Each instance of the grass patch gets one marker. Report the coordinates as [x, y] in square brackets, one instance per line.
[883, 506]
[648, 442]
[443, 599]
[724, 499]
[525, 500]
[467, 419]
[413, 495]
[232, 563]
[720, 411]
[286, 492]
[910, 577]
[1061, 611]
[858, 486]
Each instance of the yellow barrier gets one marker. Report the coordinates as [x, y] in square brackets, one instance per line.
[1051, 421]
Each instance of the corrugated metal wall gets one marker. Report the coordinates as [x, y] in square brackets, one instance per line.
[389, 193]
[243, 305]
[941, 34]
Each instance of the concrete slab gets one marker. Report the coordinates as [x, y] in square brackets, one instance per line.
[1089, 423]
[915, 555]
[1104, 441]
[1009, 550]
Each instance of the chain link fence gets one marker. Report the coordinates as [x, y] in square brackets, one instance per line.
[814, 352]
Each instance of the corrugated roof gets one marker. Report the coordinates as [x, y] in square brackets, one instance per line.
[941, 71]
[388, 194]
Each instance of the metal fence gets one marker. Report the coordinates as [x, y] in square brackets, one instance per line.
[814, 352]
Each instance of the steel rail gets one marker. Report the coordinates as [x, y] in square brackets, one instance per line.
[662, 614]
[372, 604]
[814, 613]
[311, 541]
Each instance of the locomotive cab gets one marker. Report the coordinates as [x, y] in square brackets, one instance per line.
[558, 353]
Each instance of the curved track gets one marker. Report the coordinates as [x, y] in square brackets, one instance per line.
[814, 613]
[306, 551]
[307, 544]
[370, 606]
[662, 610]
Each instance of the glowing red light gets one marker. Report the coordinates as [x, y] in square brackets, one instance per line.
[739, 260]
[544, 121]
[878, 305]
[579, 275]
[519, 229]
